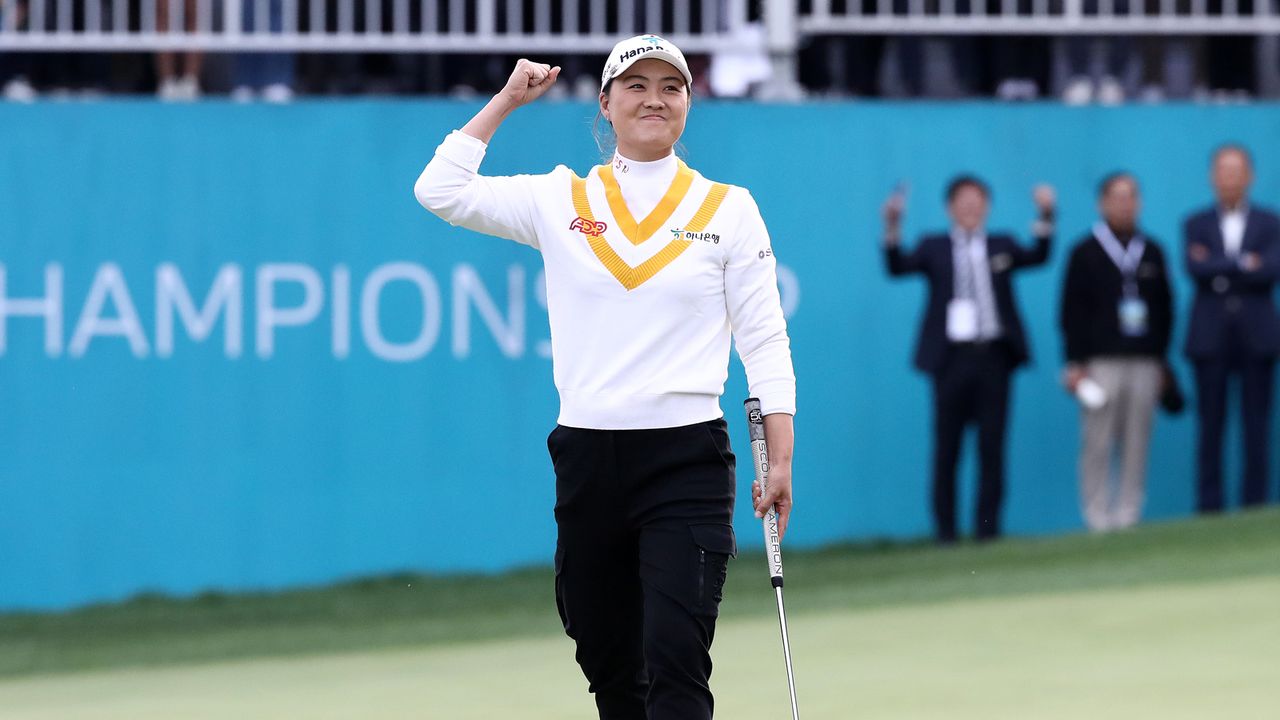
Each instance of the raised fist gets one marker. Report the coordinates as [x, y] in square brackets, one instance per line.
[529, 81]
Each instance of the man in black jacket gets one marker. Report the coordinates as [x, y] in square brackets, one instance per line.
[971, 338]
[1233, 254]
[1117, 314]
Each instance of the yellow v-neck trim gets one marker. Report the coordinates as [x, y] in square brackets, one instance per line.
[626, 223]
[632, 277]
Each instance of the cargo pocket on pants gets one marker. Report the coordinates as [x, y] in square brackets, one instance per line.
[715, 544]
[559, 586]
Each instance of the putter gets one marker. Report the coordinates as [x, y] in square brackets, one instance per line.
[772, 543]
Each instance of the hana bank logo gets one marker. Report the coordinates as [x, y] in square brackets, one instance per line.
[653, 39]
[590, 228]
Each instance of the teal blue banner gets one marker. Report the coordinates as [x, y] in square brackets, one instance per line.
[235, 354]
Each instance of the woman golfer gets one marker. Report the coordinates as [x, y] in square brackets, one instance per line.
[650, 267]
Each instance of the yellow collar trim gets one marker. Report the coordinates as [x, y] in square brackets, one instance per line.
[633, 277]
[638, 233]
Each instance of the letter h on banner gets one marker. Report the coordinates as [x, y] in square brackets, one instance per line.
[48, 307]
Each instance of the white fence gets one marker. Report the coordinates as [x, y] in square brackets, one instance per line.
[452, 26]
[589, 26]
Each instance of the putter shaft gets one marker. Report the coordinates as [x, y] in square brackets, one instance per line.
[786, 651]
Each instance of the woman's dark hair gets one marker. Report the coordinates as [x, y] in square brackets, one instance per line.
[964, 180]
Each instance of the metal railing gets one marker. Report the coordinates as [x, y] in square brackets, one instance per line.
[451, 26]
[588, 26]
[1041, 17]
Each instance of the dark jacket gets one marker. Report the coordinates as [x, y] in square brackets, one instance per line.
[1091, 296]
[932, 257]
[1231, 302]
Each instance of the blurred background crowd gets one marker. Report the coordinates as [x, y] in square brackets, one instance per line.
[868, 49]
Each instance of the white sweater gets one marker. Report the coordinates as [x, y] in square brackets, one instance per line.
[640, 326]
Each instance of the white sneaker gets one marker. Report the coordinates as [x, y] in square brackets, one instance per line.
[1079, 91]
[242, 94]
[1152, 94]
[585, 88]
[169, 90]
[1110, 91]
[277, 93]
[19, 90]
[1009, 89]
[190, 87]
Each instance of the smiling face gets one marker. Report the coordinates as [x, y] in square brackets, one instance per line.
[647, 105]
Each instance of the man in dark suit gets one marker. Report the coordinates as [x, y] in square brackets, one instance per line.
[1233, 254]
[971, 338]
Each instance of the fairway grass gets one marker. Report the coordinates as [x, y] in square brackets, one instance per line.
[1175, 651]
[1173, 620]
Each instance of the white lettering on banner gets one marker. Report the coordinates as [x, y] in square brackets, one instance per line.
[108, 283]
[227, 292]
[48, 307]
[226, 300]
[269, 317]
[430, 291]
[341, 311]
[540, 294]
[468, 289]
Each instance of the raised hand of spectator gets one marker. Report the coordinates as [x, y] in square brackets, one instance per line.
[892, 211]
[1046, 199]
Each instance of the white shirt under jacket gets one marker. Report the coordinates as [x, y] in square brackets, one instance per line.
[640, 328]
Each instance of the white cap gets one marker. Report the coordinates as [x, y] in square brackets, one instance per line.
[627, 52]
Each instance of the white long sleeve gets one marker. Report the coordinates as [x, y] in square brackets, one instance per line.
[452, 188]
[641, 327]
[755, 314]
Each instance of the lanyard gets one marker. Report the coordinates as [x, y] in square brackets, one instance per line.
[1126, 259]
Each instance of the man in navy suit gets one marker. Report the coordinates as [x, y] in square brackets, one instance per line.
[1233, 254]
[971, 338]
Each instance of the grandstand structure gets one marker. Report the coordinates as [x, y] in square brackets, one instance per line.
[592, 26]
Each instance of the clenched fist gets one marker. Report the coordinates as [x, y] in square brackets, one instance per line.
[528, 82]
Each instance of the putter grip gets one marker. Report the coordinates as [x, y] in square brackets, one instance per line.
[760, 459]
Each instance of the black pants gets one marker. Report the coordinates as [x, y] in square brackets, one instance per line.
[645, 534]
[972, 387]
[1256, 376]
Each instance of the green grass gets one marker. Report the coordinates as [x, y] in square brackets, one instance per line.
[450, 614]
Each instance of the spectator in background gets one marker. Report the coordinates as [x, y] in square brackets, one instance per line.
[1117, 315]
[15, 67]
[1084, 85]
[1233, 254]
[175, 83]
[1232, 58]
[270, 74]
[971, 339]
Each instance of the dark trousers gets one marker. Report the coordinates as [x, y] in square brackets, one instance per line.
[973, 387]
[1255, 399]
[645, 534]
